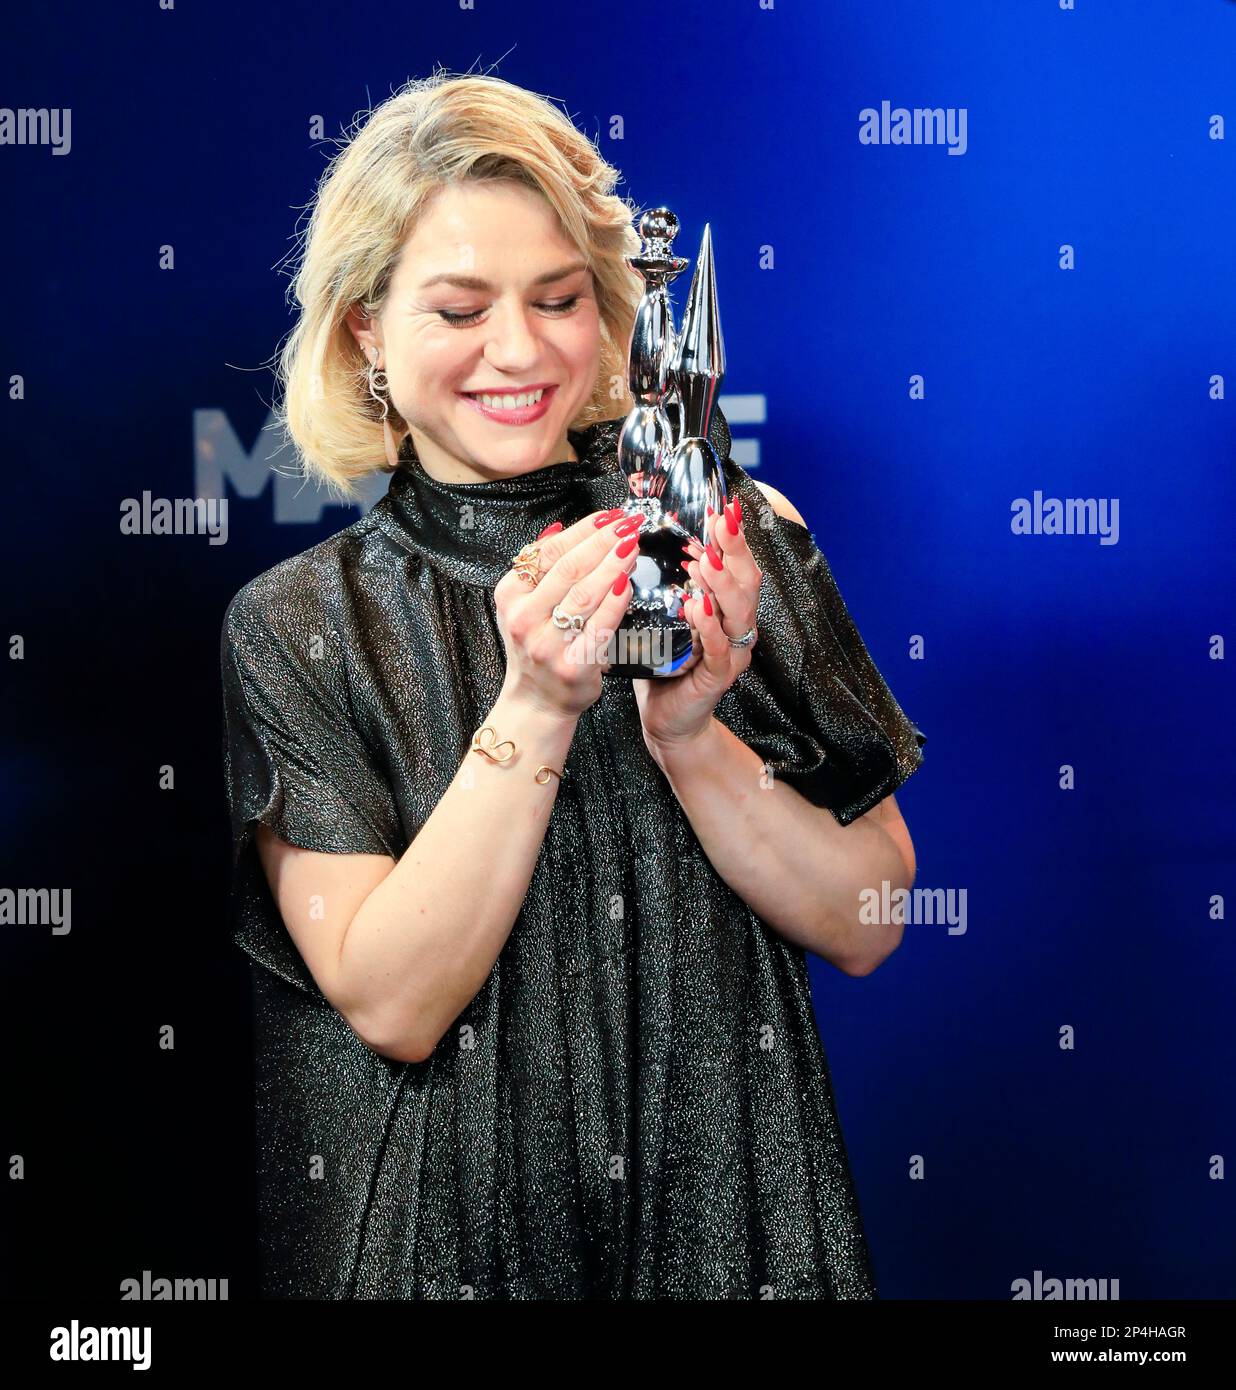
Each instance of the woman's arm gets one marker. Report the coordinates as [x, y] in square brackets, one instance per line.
[400, 949]
[792, 862]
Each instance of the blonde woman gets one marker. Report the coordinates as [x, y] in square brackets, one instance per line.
[533, 1013]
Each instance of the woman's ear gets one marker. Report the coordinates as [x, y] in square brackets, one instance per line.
[367, 332]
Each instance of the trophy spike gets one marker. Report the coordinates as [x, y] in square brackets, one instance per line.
[698, 365]
[697, 370]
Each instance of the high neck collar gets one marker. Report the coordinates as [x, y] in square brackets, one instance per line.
[596, 452]
[473, 530]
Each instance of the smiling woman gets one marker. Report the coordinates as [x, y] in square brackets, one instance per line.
[478, 206]
[533, 1017]
[519, 348]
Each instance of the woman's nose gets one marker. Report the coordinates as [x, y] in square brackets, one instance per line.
[514, 343]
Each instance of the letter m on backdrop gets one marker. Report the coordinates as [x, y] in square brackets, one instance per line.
[222, 463]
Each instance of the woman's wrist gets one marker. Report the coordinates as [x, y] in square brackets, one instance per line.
[673, 752]
[529, 725]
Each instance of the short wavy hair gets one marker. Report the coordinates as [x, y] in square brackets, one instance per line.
[433, 132]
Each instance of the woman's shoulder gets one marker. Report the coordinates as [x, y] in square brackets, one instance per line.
[775, 527]
[310, 586]
[781, 504]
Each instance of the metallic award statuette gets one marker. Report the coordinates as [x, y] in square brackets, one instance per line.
[672, 470]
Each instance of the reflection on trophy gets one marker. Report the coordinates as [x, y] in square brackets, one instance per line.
[672, 470]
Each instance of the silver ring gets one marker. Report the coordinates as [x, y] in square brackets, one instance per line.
[564, 619]
[745, 640]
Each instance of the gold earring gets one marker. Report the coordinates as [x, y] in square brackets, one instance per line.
[379, 389]
[379, 386]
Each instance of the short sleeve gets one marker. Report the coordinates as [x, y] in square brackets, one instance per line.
[838, 673]
[813, 702]
[294, 760]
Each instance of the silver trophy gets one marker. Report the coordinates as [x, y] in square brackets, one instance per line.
[672, 470]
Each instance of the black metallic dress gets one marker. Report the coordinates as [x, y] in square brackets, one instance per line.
[636, 1104]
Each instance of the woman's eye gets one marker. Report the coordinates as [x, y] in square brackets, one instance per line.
[562, 306]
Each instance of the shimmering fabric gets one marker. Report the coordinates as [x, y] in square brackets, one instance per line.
[637, 1103]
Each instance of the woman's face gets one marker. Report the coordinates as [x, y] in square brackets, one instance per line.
[488, 297]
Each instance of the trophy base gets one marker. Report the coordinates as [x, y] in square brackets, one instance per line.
[653, 653]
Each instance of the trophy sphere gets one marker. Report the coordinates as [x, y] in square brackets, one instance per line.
[658, 224]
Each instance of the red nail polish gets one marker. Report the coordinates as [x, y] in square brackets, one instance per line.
[627, 547]
[714, 555]
[738, 510]
[629, 526]
[731, 518]
[620, 583]
[549, 530]
[689, 551]
[606, 517]
[707, 605]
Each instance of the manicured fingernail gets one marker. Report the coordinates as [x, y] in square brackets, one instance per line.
[714, 555]
[627, 547]
[738, 510]
[689, 551]
[549, 530]
[731, 518]
[606, 517]
[620, 583]
[629, 526]
[707, 605]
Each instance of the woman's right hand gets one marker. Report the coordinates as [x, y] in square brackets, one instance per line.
[558, 670]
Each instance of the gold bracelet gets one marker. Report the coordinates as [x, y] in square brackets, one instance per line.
[490, 749]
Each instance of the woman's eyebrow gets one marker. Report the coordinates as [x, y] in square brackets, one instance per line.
[473, 282]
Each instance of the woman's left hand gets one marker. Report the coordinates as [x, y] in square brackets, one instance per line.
[675, 709]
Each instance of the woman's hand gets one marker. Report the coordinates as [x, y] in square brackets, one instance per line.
[676, 709]
[586, 571]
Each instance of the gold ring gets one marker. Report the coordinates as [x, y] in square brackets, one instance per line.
[527, 565]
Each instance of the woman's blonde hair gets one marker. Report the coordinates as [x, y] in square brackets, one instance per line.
[431, 132]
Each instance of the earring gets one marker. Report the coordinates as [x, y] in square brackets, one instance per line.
[379, 389]
[379, 386]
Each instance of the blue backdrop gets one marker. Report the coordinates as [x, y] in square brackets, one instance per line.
[1034, 296]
